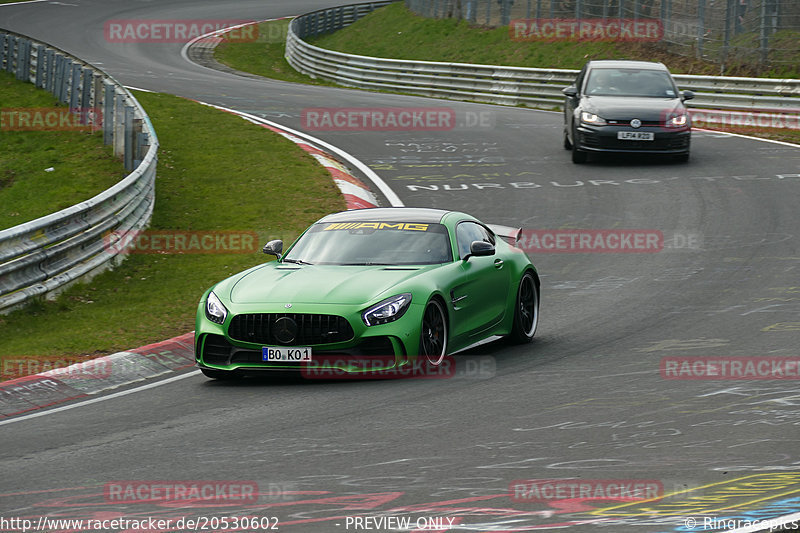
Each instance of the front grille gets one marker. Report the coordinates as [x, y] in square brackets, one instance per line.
[290, 329]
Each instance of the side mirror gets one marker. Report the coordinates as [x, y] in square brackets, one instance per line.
[480, 248]
[570, 92]
[274, 248]
[688, 95]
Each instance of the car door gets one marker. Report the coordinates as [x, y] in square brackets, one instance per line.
[479, 302]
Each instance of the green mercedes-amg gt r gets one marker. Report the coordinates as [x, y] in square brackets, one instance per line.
[370, 290]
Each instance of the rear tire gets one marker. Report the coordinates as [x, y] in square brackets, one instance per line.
[682, 158]
[433, 336]
[567, 144]
[526, 310]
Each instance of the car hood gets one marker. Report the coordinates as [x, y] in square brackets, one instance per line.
[331, 284]
[627, 108]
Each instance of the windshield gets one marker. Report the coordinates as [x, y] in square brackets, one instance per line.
[372, 243]
[630, 82]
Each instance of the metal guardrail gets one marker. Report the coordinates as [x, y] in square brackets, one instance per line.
[493, 83]
[51, 252]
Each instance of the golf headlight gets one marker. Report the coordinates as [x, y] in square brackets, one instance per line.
[387, 310]
[591, 118]
[215, 311]
[677, 121]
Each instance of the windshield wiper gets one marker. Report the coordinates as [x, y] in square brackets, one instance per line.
[296, 261]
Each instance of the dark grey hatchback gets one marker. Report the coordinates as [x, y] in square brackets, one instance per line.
[626, 106]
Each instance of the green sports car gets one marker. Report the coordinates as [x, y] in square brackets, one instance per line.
[370, 290]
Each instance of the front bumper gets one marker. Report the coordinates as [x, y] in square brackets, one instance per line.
[368, 349]
[604, 139]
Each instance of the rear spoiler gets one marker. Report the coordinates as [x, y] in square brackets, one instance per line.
[507, 233]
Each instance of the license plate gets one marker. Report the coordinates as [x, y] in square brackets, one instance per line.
[286, 354]
[635, 135]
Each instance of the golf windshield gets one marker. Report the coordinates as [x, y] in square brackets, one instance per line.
[630, 82]
[372, 243]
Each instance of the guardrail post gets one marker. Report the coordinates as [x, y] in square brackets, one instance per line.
[58, 76]
[75, 82]
[23, 60]
[12, 52]
[119, 125]
[41, 63]
[108, 114]
[66, 80]
[141, 147]
[129, 138]
[86, 93]
[3, 53]
[50, 70]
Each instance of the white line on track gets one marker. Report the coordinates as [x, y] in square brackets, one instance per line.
[101, 398]
[20, 3]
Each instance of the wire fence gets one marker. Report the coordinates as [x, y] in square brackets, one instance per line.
[756, 31]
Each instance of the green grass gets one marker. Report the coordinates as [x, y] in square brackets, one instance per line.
[264, 56]
[396, 32]
[216, 172]
[81, 166]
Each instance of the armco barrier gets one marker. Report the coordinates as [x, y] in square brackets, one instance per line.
[46, 254]
[492, 83]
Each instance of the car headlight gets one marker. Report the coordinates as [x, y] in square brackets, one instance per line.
[215, 311]
[678, 121]
[591, 118]
[387, 310]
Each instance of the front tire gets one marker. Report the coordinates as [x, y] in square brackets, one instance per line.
[526, 310]
[433, 336]
[578, 156]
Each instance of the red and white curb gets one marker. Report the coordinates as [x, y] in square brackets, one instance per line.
[85, 379]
